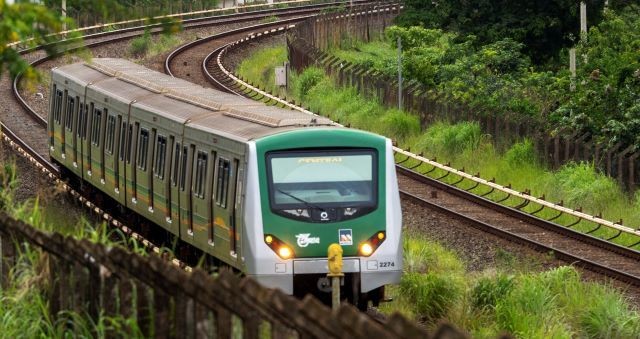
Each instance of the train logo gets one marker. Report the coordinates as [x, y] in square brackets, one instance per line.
[345, 237]
[304, 239]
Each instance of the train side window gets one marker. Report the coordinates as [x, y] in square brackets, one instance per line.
[95, 127]
[143, 148]
[111, 131]
[176, 164]
[201, 172]
[224, 168]
[71, 105]
[183, 167]
[161, 153]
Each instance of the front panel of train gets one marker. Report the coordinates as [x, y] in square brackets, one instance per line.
[322, 186]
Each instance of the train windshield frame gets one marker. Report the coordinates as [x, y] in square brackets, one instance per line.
[323, 185]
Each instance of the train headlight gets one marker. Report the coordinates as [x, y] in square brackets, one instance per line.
[282, 250]
[285, 252]
[366, 249]
[369, 246]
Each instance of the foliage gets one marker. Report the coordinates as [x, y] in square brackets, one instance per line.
[443, 138]
[543, 27]
[521, 154]
[140, 45]
[496, 78]
[488, 291]
[606, 100]
[434, 293]
[309, 78]
[582, 185]
[32, 24]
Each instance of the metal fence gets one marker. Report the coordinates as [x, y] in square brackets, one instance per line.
[167, 301]
[309, 44]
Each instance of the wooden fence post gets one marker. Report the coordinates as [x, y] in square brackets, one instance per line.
[7, 259]
[223, 323]
[162, 317]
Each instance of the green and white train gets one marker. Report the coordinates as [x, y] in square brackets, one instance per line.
[262, 189]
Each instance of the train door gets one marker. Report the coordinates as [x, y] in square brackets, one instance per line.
[89, 142]
[212, 187]
[131, 161]
[167, 182]
[141, 185]
[67, 135]
[117, 148]
[55, 127]
[225, 200]
[161, 189]
[75, 126]
[186, 198]
[123, 159]
[110, 151]
[176, 161]
[81, 136]
[236, 218]
[201, 198]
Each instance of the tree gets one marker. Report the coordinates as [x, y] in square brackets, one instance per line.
[32, 24]
[543, 26]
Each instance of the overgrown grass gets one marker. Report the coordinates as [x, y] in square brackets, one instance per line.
[552, 303]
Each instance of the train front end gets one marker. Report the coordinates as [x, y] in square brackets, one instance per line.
[310, 188]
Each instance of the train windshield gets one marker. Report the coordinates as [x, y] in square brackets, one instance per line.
[322, 185]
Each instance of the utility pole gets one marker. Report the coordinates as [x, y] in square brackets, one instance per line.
[399, 73]
[583, 21]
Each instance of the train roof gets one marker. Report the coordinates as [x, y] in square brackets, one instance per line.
[202, 108]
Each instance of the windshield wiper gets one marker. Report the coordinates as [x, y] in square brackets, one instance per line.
[308, 204]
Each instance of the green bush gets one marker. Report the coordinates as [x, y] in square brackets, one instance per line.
[309, 78]
[609, 317]
[581, 185]
[434, 294]
[530, 311]
[140, 45]
[521, 154]
[446, 139]
[488, 291]
[400, 125]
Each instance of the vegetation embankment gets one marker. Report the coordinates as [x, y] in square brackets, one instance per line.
[555, 303]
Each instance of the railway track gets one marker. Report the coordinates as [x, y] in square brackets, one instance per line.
[511, 223]
[25, 130]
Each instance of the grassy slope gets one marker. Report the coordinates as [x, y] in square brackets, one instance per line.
[534, 305]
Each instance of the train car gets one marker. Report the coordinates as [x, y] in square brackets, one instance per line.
[264, 190]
